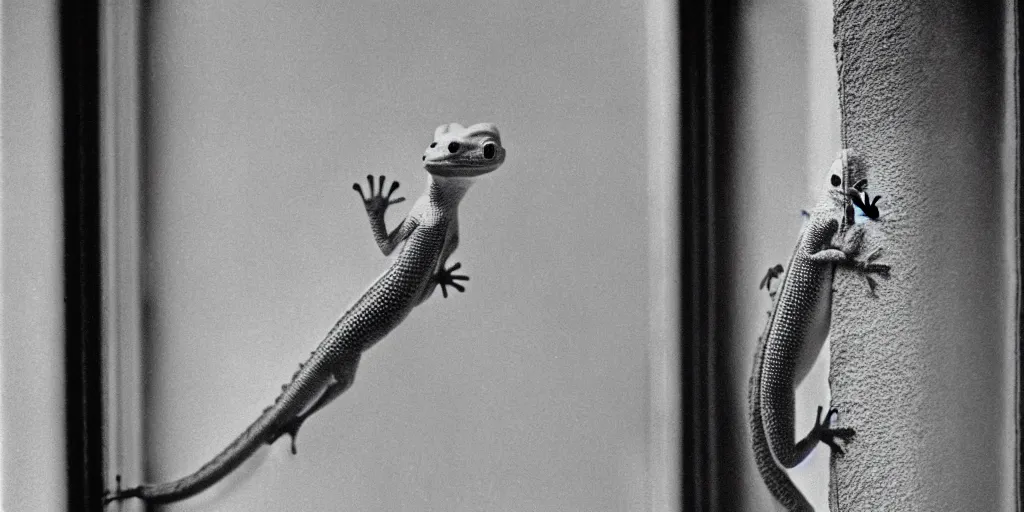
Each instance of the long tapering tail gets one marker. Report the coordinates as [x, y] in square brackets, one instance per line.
[258, 433]
[774, 476]
[266, 428]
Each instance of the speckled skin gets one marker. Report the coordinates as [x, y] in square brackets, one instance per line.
[801, 312]
[430, 233]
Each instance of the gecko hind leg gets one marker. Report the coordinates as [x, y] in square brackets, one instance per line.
[826, 434]
[822, 432]
[342, 381]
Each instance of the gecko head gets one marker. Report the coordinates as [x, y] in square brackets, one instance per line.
[838, 182]
[845, 186]
[459, 152]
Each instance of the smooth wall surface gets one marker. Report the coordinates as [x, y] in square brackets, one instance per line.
[527, 392]
[32, 426]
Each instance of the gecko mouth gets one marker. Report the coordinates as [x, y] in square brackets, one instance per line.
[482, 161]
[450, 168]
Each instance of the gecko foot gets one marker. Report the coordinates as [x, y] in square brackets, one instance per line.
[825, 433]
[868, 264]
[866, 205]
[376, 203]
[117, 494]
[766, 281]
[867, 267]
[446, 278]
[292, 429]
[293, 432]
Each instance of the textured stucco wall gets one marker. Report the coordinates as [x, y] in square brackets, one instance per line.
[921, 372]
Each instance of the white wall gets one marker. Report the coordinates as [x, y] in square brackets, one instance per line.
[529, 391]
[32, 437]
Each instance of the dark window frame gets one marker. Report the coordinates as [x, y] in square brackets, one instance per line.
[697, 196]
[80, 100]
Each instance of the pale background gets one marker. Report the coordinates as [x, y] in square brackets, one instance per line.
[32, 422]
[529, 391]
[781, 131]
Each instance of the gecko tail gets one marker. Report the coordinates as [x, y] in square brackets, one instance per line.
[265, 427]
[212, 472]
[774, 476]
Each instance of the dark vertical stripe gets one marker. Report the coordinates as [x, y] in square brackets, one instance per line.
[697, 275]
[79, 59]
[146, 31]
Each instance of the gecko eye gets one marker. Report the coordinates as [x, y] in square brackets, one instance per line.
[836, 181]
[453, 147]
[433, 144]
[489, 151]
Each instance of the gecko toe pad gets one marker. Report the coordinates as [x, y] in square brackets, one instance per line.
[829, 435]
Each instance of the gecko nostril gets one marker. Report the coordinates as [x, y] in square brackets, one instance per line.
[424, 157]
[453, 147]
[433, 144]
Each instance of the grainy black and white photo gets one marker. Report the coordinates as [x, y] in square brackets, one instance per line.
[510, 256]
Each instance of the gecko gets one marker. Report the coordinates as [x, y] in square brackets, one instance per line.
[430, 233]
[799, 320]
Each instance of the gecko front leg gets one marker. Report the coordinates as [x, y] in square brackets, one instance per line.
[866, 266]
[848, 252]
[445, 275]
[376, 205]
[445, 278]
